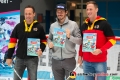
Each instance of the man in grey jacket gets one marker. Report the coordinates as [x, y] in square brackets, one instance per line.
[63, 58]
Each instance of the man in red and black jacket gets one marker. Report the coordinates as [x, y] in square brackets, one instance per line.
[95, 61]
[22, 33]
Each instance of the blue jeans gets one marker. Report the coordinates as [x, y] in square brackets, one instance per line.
[31, 64]
[95, 70]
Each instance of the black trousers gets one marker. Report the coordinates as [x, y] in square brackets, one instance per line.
[62, 68]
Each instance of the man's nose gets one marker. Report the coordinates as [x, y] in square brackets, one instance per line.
[88, 11]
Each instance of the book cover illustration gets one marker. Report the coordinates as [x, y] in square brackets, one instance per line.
[59, 37]
[89, 42]
[33, 45]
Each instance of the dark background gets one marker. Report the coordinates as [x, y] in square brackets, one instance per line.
[10, 6]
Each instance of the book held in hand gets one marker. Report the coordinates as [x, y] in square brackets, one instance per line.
[89, 42]
[33, 44]
[59, 37]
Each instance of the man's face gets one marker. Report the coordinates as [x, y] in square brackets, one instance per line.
[29, 15]
[61, 14]
[91, 11]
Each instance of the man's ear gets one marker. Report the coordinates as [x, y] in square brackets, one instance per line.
[66, 12]
[96, 10]
[34, 13]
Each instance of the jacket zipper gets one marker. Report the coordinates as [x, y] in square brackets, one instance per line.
[24, 56]
[61, 48]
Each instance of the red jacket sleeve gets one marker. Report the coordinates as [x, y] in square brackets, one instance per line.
[80, 51]
[110, 43]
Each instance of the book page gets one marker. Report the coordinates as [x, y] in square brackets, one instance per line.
[59, 37]
[89, 42]
[33, 45]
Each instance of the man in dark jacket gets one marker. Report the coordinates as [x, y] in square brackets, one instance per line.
[22, 33]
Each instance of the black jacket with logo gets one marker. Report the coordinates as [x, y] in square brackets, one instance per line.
[19, 36]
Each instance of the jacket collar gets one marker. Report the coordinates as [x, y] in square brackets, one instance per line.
[97, 19]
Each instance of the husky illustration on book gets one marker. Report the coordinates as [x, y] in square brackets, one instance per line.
[32, 46]
[59, 37]
[62, 41]
[89, 42]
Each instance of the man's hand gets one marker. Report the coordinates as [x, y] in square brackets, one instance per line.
[9, 62]
[80, 61]
[68, 33]
[50, 44]
[96, 52]
[39, 52]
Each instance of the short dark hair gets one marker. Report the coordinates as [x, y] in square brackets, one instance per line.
[92, 2]
[29, 6]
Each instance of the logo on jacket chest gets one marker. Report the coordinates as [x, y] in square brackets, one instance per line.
[35, 29]
[96, 26]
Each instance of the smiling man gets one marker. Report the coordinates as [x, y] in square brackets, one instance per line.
[22, 33]
[63, 58]
[99, 38]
